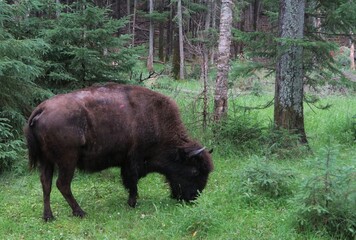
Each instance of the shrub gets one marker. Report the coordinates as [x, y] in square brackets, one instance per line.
[263, 178]
[328, 199]
[11, 150]
[243, 131]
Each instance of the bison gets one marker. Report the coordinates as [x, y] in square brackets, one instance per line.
[114, 125]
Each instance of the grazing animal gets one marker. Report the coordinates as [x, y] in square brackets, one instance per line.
[114, 125]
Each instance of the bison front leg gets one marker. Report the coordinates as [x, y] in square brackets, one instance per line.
[130, 179]
[65, 176]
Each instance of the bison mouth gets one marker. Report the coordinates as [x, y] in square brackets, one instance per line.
[183, 195]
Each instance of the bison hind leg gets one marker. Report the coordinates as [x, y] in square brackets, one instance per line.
[65, 176]
[46, 181]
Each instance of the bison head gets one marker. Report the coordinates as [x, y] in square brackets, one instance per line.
[189, 173]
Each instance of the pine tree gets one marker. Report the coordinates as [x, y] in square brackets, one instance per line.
[288, 101]
[20, 64]
[85, 48]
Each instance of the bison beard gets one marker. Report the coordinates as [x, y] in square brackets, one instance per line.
[114, 125]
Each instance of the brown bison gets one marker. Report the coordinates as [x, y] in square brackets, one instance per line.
[114, 125]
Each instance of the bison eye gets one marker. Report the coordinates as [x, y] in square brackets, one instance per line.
[195, 172]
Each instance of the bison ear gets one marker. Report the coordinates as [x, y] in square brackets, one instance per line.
[211, 151]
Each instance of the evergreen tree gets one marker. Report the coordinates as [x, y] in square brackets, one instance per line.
[85, 48]
[20, 65]
[288, 100]
[315, 62]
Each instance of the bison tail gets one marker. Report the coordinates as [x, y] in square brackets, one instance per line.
[34, 150]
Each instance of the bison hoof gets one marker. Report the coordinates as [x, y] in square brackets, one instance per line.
[48, 217]
[79, 213]
[132, 202]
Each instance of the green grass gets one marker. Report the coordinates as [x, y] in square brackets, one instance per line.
[221, 212]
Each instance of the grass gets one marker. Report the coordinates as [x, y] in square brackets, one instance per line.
[221, 212]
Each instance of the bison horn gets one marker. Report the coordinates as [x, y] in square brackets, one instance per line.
[196, 152]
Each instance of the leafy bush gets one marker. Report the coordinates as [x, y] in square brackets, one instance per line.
[263, 178]
[11, 150]
[328, 199]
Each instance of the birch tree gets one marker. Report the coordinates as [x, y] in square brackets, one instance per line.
[352, 55]
[288, 102]
[151, 39]
[180, 36]
[220, 99]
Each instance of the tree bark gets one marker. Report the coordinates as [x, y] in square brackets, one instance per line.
[169, 33]
[213, 26]
[288, 102]
[180, 35]
[220, 99]
[128, 5]
[151, 38]
[161, 42]
[352, 55]
[134, 22]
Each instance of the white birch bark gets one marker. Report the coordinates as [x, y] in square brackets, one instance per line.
[150, 43]
[181, 46]
[352, 56]
[221, 88]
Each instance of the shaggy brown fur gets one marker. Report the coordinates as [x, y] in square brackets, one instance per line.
[114, 125]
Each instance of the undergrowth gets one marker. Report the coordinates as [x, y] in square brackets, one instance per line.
[264, 178]
[11, 149]
[328, 197]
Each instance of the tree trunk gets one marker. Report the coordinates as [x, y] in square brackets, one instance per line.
[180, 35]
[161, 42]
[134, 22]
[169, 34]
[204, 76]
[213, 25]
[352, 55]
[288, 102]
[175, 58]
[128, 5]
[151, 38]
[58, 11]
[220, 99]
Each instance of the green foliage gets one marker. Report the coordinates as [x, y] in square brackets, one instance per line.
[328, 198]
[156, 16]
[339, 15]
[318, 64]
[11, 149]
[248, 134]
[84, 49]
[264, 178]
[282, 144]
[199, 220]
[20, 64]
[242, 131]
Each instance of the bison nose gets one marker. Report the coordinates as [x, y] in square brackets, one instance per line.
[191, 197]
